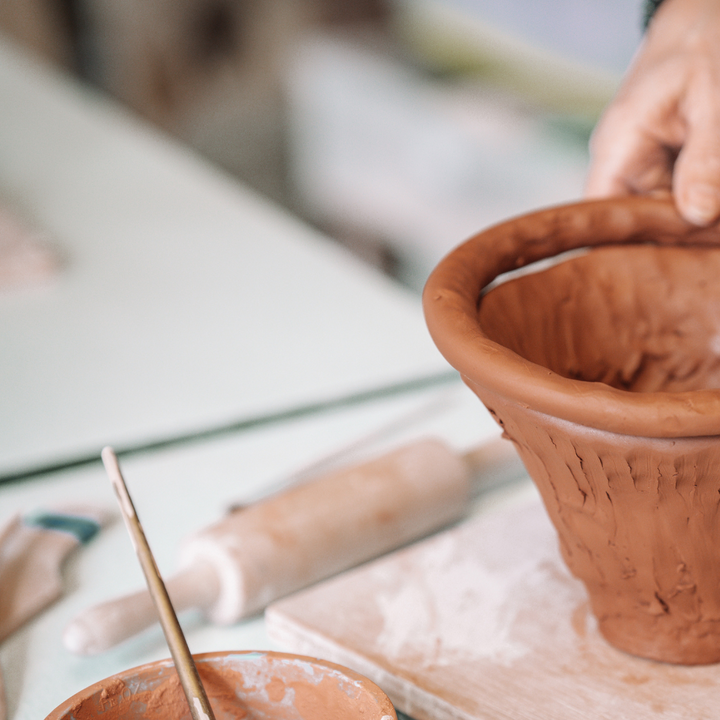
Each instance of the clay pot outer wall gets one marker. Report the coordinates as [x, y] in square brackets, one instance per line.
[630, 480]
[637, 520]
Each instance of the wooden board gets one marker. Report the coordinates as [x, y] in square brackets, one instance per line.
[484, 621]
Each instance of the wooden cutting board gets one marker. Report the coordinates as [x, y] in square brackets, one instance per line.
[484, 621]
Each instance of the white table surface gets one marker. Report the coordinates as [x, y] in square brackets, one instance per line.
[185, 301]
[178, 491]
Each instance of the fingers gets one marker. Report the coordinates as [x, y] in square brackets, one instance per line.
[627, 160]
[696, 182]
[633, 147]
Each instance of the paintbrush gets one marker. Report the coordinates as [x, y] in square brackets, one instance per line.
[187, 671]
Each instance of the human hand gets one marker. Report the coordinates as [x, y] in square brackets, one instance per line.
[661, 132]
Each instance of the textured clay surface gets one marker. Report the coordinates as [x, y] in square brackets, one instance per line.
[638, 518]
[604, 370]
[639, 318]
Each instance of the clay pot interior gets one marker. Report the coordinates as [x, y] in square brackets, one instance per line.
[248, 685]
[637, 318]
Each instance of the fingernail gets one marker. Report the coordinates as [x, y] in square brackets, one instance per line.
[702, 204]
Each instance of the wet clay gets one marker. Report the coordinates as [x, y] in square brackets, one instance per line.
[604, 371]
[161, 701]
[256, 686]
[638, 318]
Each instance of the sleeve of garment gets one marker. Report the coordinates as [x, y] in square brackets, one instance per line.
[649, 10]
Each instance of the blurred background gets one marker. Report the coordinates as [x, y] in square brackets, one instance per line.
[399, 127]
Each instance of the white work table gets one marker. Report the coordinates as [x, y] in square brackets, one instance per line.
[185, 306]
[184, 302]
[178, 491]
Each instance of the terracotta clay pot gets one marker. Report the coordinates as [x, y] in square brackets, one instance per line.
[604, 371]
[250, 685]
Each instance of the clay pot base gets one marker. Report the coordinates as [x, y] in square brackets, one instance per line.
[604, 371]
[638, 522]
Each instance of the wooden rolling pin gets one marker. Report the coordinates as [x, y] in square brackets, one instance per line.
[311, 531]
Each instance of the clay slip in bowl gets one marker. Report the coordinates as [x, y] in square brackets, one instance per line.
[604, 371]
[249, 685]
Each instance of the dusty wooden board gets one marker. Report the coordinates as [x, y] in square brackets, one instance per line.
[484, 621]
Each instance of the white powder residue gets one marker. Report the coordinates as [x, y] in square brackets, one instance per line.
[451, 607]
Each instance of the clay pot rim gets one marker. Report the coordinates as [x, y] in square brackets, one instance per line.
[452, 295]
[88, 691]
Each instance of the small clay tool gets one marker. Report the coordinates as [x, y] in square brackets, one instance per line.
[26, 258]
[309, 532]
[187, 671]
[32, 551]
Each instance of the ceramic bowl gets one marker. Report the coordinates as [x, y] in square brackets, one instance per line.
[248, 685]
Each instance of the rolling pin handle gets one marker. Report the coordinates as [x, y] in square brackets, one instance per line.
[105, 625]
